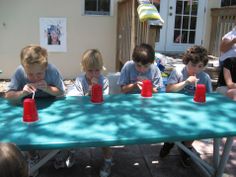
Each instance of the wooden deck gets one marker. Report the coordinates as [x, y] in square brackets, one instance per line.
[138, 161]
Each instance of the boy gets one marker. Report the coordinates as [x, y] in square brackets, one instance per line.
[92, 65]
[140, 68]
[182, 79]
[34, 75]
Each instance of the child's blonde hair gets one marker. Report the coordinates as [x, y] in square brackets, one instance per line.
[34, 54]
[12, 161]
[92, 59]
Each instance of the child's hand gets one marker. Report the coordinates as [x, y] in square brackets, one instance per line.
[94, 80]
[41, 85]
[192, 79]
[29, 88]
[140, 84]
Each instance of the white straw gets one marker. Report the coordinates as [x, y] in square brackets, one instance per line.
[33, 95]
[196, 82]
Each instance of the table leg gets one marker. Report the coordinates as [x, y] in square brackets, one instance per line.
[216, 150]
[44, 160]
[224, 157]
[207, 169]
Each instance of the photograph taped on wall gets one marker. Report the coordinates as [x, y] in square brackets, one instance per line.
[53, 34]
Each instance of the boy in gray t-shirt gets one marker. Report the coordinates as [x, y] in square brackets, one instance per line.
[141, 68]
[35, 74]
[183, 79]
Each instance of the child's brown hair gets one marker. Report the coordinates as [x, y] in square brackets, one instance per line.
[34, 54]
[92, 59]
[12, 161]
[195, 54]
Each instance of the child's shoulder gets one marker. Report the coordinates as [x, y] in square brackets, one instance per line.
[179, 68]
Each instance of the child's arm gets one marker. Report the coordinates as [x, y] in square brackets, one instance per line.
[179, 86]
[18, 95]
[51, 90]
[228, 79]
[129, 87]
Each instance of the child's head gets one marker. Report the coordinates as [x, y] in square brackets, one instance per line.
[34, 59]
[143, 56]
[195, 59]
[12, 162]
[92, 63]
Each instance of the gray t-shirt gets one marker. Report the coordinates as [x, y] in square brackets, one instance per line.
[82, 88]
[52, 77]
[130, 75]
[180, 74]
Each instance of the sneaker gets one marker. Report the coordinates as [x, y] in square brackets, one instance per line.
[33, 160]
[106, 169]
[64, 159]
[185, 158]
[70, 161]
[165, 150]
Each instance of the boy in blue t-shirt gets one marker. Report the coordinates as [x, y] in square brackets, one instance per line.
[34, 75]
[183, 79]
[140, 68]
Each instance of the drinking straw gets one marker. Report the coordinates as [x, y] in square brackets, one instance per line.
[33, 95]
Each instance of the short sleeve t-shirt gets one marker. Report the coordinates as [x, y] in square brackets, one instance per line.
[82, 88]
[52, 77]
[180, 74]
[230, 64]
[130, 75]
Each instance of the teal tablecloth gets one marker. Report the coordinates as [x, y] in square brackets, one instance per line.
[122, 119]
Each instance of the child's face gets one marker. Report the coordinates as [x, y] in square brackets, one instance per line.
[92, 73]
[142, 68]
[193, 69]
[35, 72]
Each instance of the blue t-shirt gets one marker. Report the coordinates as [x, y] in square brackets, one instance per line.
[82, 88]
[129, 75]
[52, 77]
[180, 74]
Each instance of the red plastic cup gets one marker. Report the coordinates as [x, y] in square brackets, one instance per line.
[30, 111]
[96, 94]
[146, 89]
[200, 93]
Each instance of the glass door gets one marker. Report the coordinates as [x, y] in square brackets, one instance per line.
[184, 24]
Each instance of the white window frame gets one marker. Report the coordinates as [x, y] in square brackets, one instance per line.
[96, 13]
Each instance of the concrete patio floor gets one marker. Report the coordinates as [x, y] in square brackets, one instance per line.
[138, 161]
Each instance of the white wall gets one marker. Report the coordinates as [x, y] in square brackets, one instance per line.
[19, 26]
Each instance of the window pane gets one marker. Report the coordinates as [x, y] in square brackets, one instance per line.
[193, 23]
[104, 5]
[185, 22]
[178, 22]
[179, 7]
[186, 7]
[90, 5]
[194, 8]
[192, 37]
[177, 36]
[185, 37]
[97, 7]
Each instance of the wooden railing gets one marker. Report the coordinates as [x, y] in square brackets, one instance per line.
[223, 20]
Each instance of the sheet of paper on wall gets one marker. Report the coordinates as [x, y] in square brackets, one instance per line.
[53, 34]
